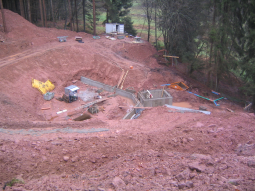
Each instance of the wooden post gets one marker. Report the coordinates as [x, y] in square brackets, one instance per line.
[3, 17]
[163, 91]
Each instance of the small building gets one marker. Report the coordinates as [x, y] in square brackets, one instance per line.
[114, 28]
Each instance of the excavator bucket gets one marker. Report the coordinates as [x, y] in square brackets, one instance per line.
[178, 86]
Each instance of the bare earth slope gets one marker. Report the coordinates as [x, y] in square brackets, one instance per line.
[160, 150]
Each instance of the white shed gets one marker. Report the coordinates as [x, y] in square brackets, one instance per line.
[114, 27]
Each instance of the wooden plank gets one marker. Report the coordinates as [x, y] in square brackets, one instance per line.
[230, 110]
[120, 80]
[46, 108]
[162, 91]
[171, 56]
[136, 107]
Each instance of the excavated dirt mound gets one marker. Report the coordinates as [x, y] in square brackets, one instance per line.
[163, 149]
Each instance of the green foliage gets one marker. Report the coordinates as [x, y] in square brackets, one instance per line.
[243, 39]
[129, 26]
[14, 181]
[181, 22]
[213, 35]
[116, 9]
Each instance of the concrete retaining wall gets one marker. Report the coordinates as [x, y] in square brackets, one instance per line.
[117, 91]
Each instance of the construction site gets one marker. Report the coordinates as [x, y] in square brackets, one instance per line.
[84, 112]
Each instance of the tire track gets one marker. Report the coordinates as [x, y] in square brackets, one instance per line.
[32, 52]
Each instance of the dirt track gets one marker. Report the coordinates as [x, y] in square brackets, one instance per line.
[33, 52]
[160, 150]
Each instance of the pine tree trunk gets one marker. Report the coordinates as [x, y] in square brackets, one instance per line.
[94, 17]
[45, 16]
[148, 20]
[21, 6]
[211, 49]
[156, 38]
[29, 10]
[70, 14]
[41, 11]
[253, 103]
[76, 15]
[14, 6]
[107, 15]
[66, 14]
[84, 14]
[52, 13]
[3, 16]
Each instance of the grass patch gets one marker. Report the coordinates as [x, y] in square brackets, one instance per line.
[13, 182]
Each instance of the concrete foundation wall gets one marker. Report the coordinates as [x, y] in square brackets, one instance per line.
[157, 100]
[97, 84]
[117, 91]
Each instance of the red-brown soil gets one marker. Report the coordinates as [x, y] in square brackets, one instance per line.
[160, 150]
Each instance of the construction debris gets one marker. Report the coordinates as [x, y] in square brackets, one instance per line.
[149, 95]
[137, 114]
[138, 39]
[248, 107]
[93, 109]
[59, 112]
[203, 108]
[98, 97]
[77, 38]
[100, 90]
[91, 103]
[96, 37]
[83, 117]
[48, 96]
[62, 38]
[120, 37]
[173, 57]
[230, 110]
[131, 90]
[45, 108]
[63, 98]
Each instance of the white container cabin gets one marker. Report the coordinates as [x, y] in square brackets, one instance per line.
[114, 28]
